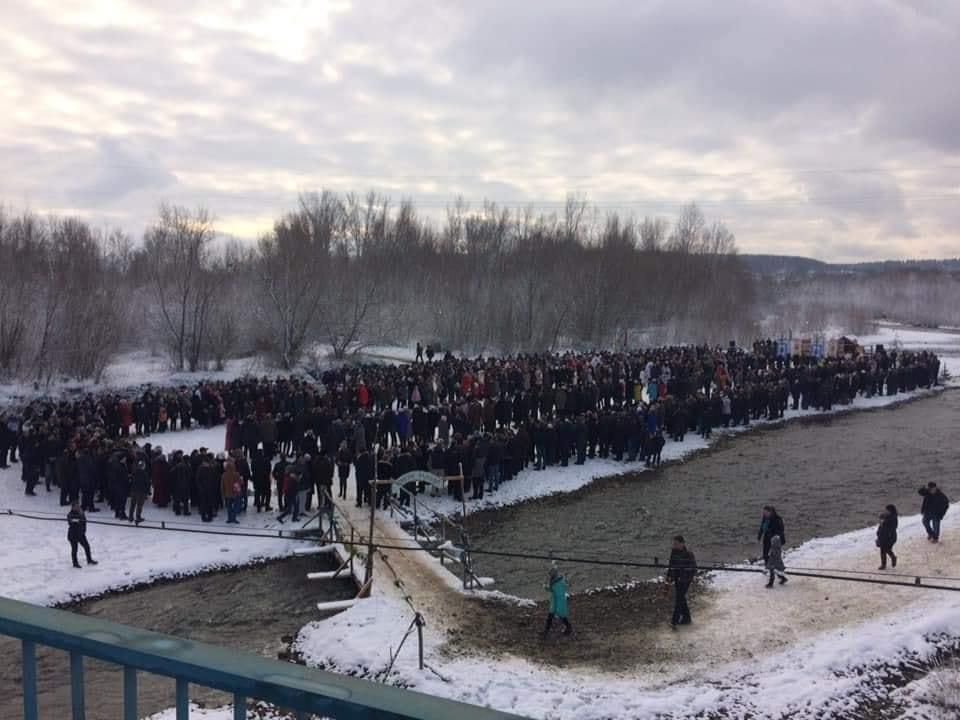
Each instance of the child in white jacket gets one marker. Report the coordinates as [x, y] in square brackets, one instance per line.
[775, 561]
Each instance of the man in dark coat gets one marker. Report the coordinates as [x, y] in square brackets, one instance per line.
[86, 479]
[119, 485]
[934, 507]
[770, 524]
[260, 471]
[364, 474]
[683, 567]
[181, 475]
[77, 534]
[139, 489]
[208, 483]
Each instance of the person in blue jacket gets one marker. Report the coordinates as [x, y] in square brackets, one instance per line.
[558, 602]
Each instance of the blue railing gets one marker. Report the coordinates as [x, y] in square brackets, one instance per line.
[302, 690]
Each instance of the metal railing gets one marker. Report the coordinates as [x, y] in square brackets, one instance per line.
[302, 690]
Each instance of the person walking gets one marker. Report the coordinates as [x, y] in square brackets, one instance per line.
[771, 524]
[291, 486]
[557, 587]
[683, 567]
[775, 561]
[934, 507]
[77, 534]
[887, 536]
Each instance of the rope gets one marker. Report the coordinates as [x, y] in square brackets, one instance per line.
[819, 573]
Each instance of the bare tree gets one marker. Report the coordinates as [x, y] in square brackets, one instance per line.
[653, 234]
[292, 269]
[20, 251]
[177, 250]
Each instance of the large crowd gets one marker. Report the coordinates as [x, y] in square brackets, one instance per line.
[477, 422]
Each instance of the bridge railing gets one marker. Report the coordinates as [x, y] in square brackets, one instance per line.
[296, 688]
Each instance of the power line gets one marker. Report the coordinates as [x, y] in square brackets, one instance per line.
[820, 573]
[499, 174]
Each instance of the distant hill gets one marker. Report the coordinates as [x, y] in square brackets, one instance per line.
[782, 264]
[792, 265]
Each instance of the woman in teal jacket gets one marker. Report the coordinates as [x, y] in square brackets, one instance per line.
[558, 602]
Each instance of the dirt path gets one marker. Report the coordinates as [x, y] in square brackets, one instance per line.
[626, 632]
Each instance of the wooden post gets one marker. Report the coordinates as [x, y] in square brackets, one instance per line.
[416, 524]
[419, 621]
[368, 574]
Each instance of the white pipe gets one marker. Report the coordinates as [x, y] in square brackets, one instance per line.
[318, 550]
[325, 575]
[337, 605]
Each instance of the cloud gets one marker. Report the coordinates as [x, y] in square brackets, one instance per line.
[115, 105]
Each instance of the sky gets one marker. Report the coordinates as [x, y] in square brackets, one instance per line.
[825, 129]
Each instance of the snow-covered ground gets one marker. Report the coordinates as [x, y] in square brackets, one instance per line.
[35, 563]
[134, 369]
[944, 341]
[811, 647]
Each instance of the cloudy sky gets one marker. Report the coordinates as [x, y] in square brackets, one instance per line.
[828, 129]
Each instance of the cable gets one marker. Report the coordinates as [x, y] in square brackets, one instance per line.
[819, 573]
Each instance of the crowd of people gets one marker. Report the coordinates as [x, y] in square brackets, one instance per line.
[475, 422]
[483, 420]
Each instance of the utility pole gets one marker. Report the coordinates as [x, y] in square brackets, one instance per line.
[368, 574]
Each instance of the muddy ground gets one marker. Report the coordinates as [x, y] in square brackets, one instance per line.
[611, 629]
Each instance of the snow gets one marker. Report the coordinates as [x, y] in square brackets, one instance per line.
[36, 566]
[803, 648]
[944, 341]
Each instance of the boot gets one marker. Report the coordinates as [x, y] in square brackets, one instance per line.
[783, 579]
[769, 585]
[893, 560]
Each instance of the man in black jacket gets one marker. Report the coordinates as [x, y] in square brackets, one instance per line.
[261, 480]
[77, 534]
[181, 475]
[934, 507]
[771, 524]
[683, 566]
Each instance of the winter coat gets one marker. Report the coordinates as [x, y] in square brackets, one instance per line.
[230, 483]
[770, 527]
[683, 566]
[140, 482]
[76, 525]
[935, 504]
[558, 596]
[181, 480]
[887, 531]
[775, 558]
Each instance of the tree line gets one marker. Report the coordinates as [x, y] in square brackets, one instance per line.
[345, 271]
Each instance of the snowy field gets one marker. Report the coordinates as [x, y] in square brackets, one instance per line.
[36, 566]
[802, 651]
[135, 369]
